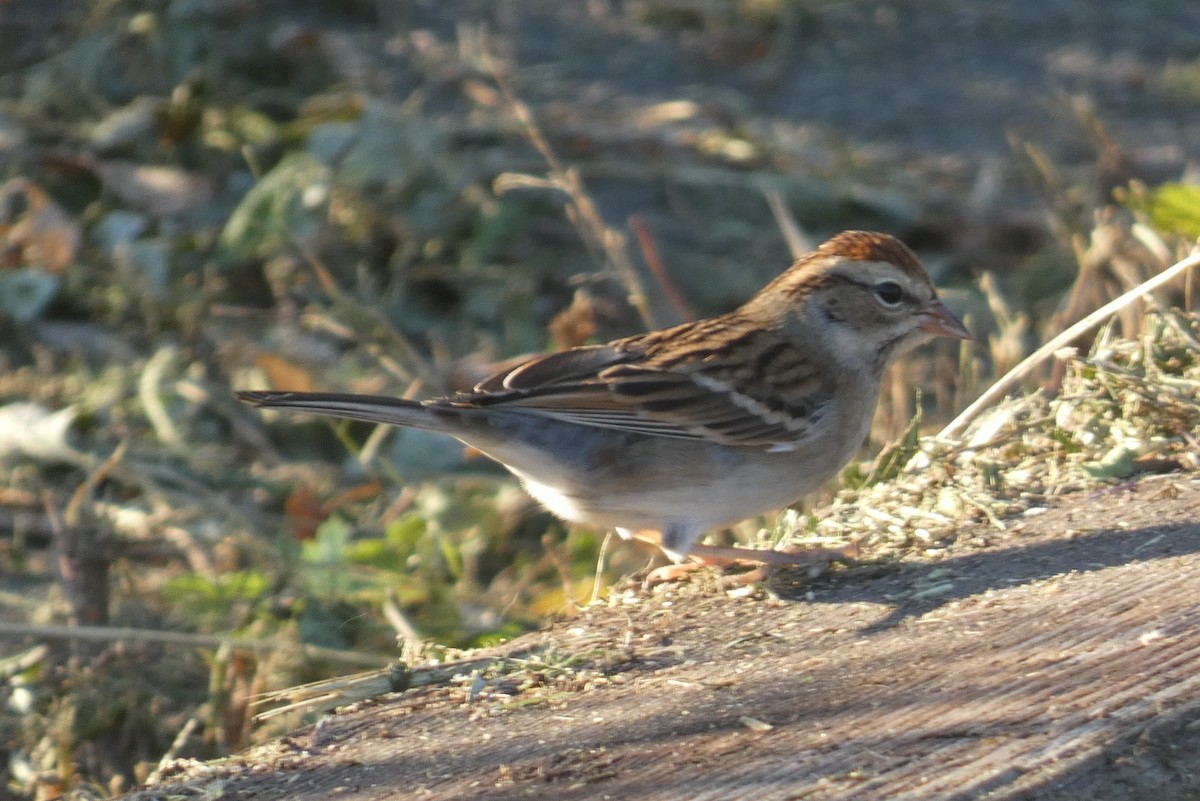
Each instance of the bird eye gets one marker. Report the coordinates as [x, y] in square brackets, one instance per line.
[889, 293]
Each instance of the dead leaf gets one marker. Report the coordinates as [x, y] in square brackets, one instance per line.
[33, 431]
[160, 191]
[304, 512]
[282, 374]
[124, 128]
[34, 230]
[576, 324]
[356, 494]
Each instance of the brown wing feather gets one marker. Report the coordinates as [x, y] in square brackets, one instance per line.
[673, 389]
[555, 368]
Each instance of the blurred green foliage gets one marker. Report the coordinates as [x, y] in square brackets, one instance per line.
[1172, 207]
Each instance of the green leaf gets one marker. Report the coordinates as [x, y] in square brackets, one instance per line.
[405, 534]
[287, 206]
[328, 547]
[373, 551]
[1174, 208]
[240, 585]
[24, 294]
[453, 557]
[892, 460]
[211, 602]
[324, 558]
[1117, 463]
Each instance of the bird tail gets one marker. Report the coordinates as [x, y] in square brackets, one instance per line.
[371, 408]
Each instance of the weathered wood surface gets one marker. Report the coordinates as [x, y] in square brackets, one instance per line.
[1061, 661]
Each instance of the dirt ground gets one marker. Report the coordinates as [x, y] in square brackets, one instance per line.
[1054, 660]
[913, 78]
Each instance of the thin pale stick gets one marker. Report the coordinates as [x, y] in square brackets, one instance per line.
[126, 634]
[798, 243]
[598, 579]
[1014, 376]
[659, 270]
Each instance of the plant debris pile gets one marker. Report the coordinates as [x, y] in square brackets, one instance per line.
[1124, 408]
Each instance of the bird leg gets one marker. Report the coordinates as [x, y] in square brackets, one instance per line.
[714, 554]
[699, 556]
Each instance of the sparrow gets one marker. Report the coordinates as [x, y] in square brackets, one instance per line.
[703, 424]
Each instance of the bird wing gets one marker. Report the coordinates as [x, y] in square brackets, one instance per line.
[697, 387]
[557, 369]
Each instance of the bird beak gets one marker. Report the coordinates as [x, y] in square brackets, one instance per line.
[936, 319]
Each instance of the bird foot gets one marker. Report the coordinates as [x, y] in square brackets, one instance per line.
[793, 556]
[703, 556]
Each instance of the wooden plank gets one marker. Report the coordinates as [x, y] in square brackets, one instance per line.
[1049, 666]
